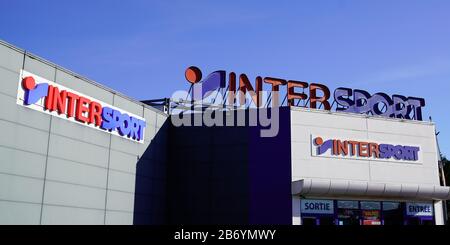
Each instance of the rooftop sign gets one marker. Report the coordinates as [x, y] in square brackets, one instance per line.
[317, 95]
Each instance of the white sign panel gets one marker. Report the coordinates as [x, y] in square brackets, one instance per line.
[317, 206]
[419, 209]
[349, 148]
[51, 98]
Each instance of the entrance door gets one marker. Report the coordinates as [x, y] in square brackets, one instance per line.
[348, 213]
[371, 213]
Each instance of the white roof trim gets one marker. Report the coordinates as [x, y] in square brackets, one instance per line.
[344, 188]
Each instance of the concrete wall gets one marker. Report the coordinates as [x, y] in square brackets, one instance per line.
[53, 171]
[305, 123]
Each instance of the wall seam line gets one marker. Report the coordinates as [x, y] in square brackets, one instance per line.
[46, 162]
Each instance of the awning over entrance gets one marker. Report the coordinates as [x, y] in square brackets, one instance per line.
[346, 188]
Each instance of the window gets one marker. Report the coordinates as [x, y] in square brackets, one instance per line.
[392, 213]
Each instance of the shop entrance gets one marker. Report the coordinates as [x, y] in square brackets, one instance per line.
[352, 212]
[348, 213]
[370, 213]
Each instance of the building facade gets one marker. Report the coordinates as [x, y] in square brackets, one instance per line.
[76, 152]
[334, 188]
[57, 171]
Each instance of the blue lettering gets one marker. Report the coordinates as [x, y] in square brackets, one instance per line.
[107, 119]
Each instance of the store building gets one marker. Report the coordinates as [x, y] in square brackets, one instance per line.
[76, 152]
[336, 187]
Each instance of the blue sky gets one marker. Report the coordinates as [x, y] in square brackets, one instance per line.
[141, 48]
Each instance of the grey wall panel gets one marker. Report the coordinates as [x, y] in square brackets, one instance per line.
[150, 117]
[125, 145]
[119, 218]
[56, 215]
[150, 131]
[160, 120]
[9, 81]
[120, 201]
[76, 173]
[23, 163]
[128, 105]
[78, 151]
[22, 137]
[80, 132]
[123, 162]
[121, 181]
[13, 112]
[39, 68]
[83, 87]
[18, 188]
[74, 195]
[10, 58]
[18, 213]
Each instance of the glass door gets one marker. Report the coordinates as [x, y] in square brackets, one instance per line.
[371, 213]
[348, 213]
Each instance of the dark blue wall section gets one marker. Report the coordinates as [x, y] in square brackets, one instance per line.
[270, 174]
[216, 175]
[150, 200]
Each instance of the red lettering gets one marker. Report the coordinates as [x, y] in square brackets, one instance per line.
[95, 111]
[314, 98]
[72, 98]
[59, 100]
[81, 109]
[232, 89]
[276, 82]
[335, 147]
[49, 99]
[373, 150]
[245, 85]
[363, 149]
[342, 148]
[292, 95]
[353, 143]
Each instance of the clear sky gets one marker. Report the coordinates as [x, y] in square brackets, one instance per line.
[141, 48]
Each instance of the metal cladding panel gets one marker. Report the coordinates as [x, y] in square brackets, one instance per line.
[12, 213]
[118, 218]
[39, 68]
[79, 132]
[10, 59]
[60, 215]
[9, 111]
[21, 137]
[76, 173]
[63, 194]
[120, 201]
[63, 147]
[20, 189]
[18, 162]
[9, 81]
